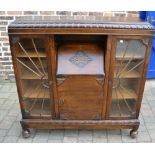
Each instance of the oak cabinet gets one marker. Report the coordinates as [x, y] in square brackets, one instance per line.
[80, 74]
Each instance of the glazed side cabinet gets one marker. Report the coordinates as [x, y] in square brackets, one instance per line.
[80, 74]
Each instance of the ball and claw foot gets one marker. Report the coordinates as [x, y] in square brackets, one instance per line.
[26, 133]
[133, 133]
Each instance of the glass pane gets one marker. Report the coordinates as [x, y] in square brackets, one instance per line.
[128, 67]
[32, 67]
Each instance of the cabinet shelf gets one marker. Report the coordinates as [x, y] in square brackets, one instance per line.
[31, 54]
[123, 93]
[30, 76]
[120, 58]
[128, 69]
[32, 69]
[126, 74]
[32, 92]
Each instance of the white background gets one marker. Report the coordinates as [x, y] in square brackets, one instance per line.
[77, 5]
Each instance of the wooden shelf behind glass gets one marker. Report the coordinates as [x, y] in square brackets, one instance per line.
[126, 74]
[121, 93]
[128, 57]
[28, 75]
[31, 54]
[31, 92]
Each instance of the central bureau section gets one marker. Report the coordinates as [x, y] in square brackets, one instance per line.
[80, 76]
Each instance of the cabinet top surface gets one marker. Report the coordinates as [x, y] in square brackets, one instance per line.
[118, 23]
[113, 24]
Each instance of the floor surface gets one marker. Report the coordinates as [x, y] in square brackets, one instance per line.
[10, 129]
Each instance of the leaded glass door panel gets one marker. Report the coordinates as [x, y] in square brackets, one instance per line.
[32, 67]
[128, 66]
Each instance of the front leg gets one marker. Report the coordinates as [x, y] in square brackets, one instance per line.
[25, 130]
[134, 132]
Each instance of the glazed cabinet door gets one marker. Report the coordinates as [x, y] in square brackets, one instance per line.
[129, 61]
[31, 70]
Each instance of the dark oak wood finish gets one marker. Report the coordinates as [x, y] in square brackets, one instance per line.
[80, 74]
[81, 98]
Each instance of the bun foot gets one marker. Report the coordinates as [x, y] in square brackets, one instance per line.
[26, 133]
[133, 133]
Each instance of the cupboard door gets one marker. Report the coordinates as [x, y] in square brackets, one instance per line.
[31, 67]
[80, 97]
[127, 66]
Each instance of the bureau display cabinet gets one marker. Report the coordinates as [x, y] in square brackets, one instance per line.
[80, 74]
